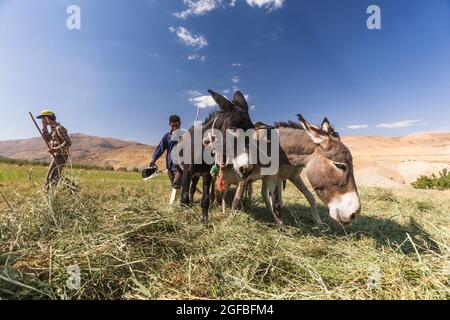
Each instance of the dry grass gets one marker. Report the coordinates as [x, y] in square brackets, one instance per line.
[130, 245]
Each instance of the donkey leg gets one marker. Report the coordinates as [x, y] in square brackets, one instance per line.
[281, 187]
[206, 201]
[187, 176]
[249, 190]
[273, 187]
[224, 198]
[238, 196]
[193, 189]
[213, 190]
[298, 182]
[265, 196]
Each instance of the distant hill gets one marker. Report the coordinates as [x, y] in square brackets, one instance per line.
[379, 161]
[89, 150]
[398, 161]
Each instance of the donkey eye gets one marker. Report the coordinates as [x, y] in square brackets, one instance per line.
[341, 166]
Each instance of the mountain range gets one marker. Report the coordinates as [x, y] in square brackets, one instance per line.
[378, 160]
[88, 150]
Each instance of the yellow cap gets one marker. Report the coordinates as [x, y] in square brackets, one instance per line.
[46, 113]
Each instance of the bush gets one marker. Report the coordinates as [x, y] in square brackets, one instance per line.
[434, 182]
[23, 162]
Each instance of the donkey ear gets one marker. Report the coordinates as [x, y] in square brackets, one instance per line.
[317, 135]
[306, 125]
[328, 128]
[223, 102]
[240, 100]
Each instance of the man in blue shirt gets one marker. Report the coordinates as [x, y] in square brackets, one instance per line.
[166, 144]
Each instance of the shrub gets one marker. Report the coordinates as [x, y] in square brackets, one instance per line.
[440, 182]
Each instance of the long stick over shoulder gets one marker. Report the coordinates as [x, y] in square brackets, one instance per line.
[46, 142]
[39, 129]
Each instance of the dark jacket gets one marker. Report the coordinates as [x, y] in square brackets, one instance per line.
[168, 145]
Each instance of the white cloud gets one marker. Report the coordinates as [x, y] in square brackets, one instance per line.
[154, 55]
[235, 79]
[236, 65]
[398, 124]
[357, 126]
[188, 38]
[196, 57]
[201, 7]
[201, 101]
[269, 4]
[198, 8]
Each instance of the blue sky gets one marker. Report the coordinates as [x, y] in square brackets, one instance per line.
[135, 62]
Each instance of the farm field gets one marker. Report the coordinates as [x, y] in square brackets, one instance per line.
[387, 162]
[128, 244]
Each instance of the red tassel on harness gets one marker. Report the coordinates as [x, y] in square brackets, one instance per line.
[221, 183]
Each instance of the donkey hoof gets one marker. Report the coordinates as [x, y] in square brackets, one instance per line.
[322, 227]
[237, 204]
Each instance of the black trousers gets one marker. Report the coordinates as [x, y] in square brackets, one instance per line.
[176, 178]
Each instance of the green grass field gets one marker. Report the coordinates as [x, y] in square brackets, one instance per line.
[128, 244]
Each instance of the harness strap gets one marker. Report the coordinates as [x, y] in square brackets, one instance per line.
[212, 139]
[211, 136]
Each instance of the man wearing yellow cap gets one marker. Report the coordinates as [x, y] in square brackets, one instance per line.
[59, 142]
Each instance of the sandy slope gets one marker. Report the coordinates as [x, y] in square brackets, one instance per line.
[86, 150]
[379, 161]
[398, 161]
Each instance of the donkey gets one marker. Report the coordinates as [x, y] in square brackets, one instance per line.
[232, 115]
[329, 167]
[285, 173]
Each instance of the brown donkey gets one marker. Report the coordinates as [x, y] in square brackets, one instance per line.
[329, 167]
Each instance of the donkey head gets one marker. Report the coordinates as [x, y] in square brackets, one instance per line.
[330, 172]
[232, 116]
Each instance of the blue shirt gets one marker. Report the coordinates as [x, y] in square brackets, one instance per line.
[168, 145]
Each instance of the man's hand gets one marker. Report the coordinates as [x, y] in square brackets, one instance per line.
[45, 130]
[53, 151]
[44, 123]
